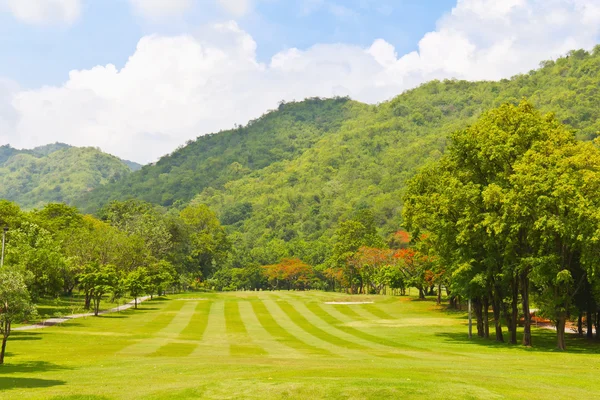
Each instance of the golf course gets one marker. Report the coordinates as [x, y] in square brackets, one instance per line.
[288, 345]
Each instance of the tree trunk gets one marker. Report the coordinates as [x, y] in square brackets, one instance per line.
[421, 293]
[439, 294]
[515, 310]
[478, 308]
[497, 323]
[597, 321]
[96, 306]
[589, 322]
[526, 311]
[560, 332]
[4, 340]
[486, 317]
[3, 351]
[88, 300]
[135, 302]
[580, 324]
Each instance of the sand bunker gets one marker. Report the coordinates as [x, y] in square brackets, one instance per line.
[349, 302]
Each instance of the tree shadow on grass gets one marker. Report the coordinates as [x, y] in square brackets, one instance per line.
[30, 367]
[24, 335]
[81, 397]
[544, 340]
[113, 316]
[7, 383]
[158, 300]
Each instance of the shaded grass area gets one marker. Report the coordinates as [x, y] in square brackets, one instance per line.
[67, 305]
[239, 345]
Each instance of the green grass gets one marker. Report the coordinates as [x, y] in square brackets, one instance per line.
[266, 345]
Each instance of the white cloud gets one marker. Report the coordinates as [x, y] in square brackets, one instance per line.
[236, 7]
[8, 114]
[43, 11]
[175, 88]
[158, 9]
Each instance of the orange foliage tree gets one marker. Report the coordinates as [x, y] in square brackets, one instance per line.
[290, 273]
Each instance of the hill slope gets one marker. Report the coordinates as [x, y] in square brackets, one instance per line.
[290, 207]
[55, 173]
[282, 183]
[213, 160]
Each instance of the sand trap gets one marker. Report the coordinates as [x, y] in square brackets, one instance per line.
[349, 302]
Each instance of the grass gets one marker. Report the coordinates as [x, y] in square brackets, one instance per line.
[288, 345]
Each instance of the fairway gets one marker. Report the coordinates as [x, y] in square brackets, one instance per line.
[288, 345]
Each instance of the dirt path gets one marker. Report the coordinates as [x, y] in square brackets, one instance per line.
[55, 321]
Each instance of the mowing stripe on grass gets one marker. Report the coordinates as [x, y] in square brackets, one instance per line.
[174, 350]
[161, 338]
[308, 327]
[164, 318]
[376, 311]
[261, 337]
[281, 335]
[197, 325]
[349, 311]
[240, 341]
[214, 341]
[319, 311]
[290, 326]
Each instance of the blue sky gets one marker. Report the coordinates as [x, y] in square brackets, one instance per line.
[138, 78]
[108, 31]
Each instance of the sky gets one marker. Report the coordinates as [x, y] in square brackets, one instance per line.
[138, 78]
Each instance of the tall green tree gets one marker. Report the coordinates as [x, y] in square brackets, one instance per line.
[468, 201]
[15, 304]
[208, 243]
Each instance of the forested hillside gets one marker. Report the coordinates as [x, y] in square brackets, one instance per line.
[213, 160]
[285, 208]
[56, 173]
[282, 183]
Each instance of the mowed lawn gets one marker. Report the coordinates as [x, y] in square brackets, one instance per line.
[288, 345]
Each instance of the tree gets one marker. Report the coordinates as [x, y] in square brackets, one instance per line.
[142, 220]
[350, 237]
[15, 304]
[292, 272]
[482, 221]
[159, 276]
[136, 283]
[98, 280]
[209, 246]
[33, 249]
[557, 191]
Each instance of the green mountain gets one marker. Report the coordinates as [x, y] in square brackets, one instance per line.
[213, 160]
[55, 173]
[282, 183]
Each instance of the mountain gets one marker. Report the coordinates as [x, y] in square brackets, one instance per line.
[213, 160]
[55, 173]
[282, 183]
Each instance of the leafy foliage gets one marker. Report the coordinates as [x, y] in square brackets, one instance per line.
[55, 173]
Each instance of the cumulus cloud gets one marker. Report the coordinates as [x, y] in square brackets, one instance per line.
[175, 88]
[8, 114]
[236, 7]
[158, 9]
[43, 11]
